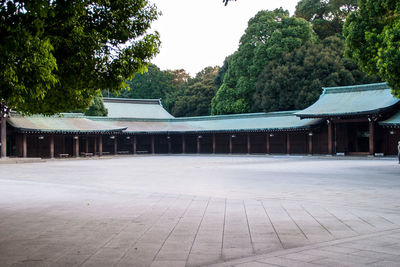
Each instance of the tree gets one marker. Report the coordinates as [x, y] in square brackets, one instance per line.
[373, 39]
[219, 79]
[295, 80]
[56, 55]
[154, 83]
[269, 34]
[97, 108]
[326, 16]
[195, 99]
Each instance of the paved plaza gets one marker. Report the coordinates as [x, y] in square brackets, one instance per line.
[200, 211]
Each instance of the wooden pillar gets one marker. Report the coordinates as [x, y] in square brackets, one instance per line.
[24, 146]
[287, 143]
[183, 144]
[169, 144]
[230, 144]
[371, 137]
[214, 144]
[330, 135]
[198, 144]
[310, 143]
[100, 145]
[115, 145]
[3, 133]
[76, 146]
[153, 145]
[52, 146]
[87, 144]
[248, 143]
[94, 145]
[134, 144]
[267, 143]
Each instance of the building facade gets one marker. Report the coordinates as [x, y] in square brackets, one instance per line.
[351, 120]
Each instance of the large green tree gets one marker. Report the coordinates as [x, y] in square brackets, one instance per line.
[269, 34]
[373, 39]
[294, 81]
[154, 83]
[97, 107]
[56, 55]
[327, 16]
[195, 98]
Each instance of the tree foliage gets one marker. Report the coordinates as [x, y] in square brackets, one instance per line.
[373, 39]
[295, 80]
[327, 16]
[269, 35]
[56, 55]
[97, 107]
[153, 83]
[195, 98]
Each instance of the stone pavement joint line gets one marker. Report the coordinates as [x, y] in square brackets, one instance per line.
[376, 249]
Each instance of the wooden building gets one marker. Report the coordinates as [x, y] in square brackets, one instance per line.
[352, 120]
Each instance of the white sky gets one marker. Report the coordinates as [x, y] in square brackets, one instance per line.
[200, 33]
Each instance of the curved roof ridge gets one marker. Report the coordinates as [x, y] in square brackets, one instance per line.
[355, 100]
[156, 101]
[355, 88]
[238, 116]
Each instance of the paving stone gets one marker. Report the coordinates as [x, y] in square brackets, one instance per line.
[253, 264]
[127, 212]
[286, 262]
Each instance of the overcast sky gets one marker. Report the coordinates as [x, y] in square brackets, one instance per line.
[200, 33]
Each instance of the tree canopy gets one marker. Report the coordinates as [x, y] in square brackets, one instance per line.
[195, 98]
[56, 55]
[269, 34]
[327, 16]
[97, 107]
[295, 80]
[373, 39]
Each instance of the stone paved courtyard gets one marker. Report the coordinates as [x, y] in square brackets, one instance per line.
[201, 210]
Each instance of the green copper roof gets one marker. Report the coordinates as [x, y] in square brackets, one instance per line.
[57, 124]
[351, 100]
[274, 121]
[392, 121]
[135, 108]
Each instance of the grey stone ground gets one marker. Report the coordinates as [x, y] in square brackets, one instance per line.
[201, 210]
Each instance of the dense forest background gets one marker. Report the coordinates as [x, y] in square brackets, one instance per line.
[281, 64]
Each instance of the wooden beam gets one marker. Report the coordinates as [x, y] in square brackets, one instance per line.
[52, 146]
[153, 145]
[214, 144]
[100, 145]
[267, 143]
[115, 145]
[198, 144]
[183, 144]
[330, 135]
[94, 145]
[169, 144]
[310, 143]
[230, 144]
[288, 143]
[134, 144]
[248, 143]
[24, 146]
[76, 146]
[3, 139]
[371, 137]
[87, 144]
